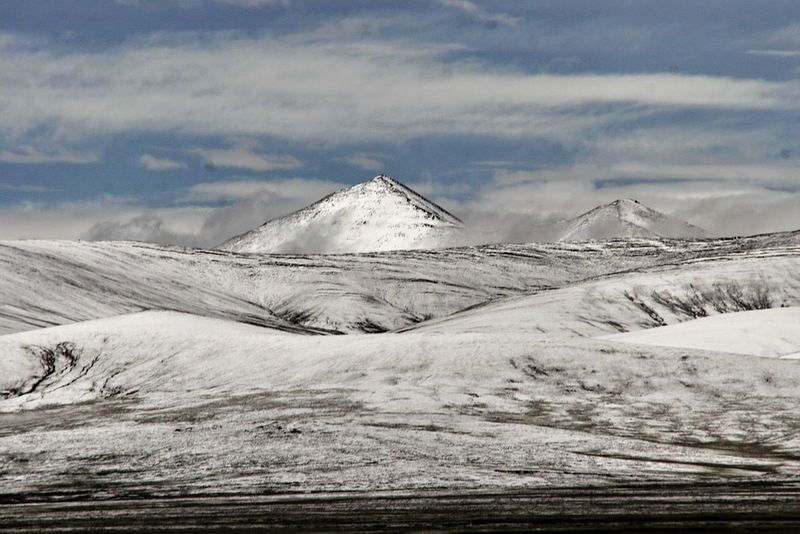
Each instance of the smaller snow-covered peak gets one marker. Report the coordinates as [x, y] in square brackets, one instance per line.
[624, 204]
[629, 207]
[626, 217]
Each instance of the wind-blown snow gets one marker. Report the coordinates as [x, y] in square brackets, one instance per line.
[626, 218]
[381, 214]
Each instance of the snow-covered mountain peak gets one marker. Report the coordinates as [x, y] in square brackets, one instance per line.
[379, 214]
[631, 209]
[384, 180]
[384, 190]
[627, 202]
[627, 217]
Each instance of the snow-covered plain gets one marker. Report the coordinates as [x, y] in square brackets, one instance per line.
[257, 409]
[131, 369]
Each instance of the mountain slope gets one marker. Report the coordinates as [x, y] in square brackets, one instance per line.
[380, 214]
[44, 283]
[47, 283]
[626, 218]
[675, 292]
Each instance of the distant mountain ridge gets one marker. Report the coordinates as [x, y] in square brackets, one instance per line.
[627, 218]
[377, 215]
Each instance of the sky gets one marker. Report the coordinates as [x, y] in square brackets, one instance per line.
[190, 121]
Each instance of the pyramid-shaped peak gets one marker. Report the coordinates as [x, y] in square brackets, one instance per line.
[386, 182]
[626, 201]
[626, 217]
[378, 214]
[382, 186]
[628, 205]
[383, 180]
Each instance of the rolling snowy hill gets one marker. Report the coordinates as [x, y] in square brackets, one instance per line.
[380, 214]
[626, 218]
[46, 283]
[741, 274]
[154, 386]
[174, 403]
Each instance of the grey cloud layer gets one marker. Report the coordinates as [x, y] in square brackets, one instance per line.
[249, 204]
[29, 154]
[334, 90]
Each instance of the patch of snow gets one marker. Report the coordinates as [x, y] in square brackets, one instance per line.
[773, 333]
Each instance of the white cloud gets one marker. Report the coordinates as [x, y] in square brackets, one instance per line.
[788, 34]
[25, 188]
[197, 3]
[332, 89]
[772, 175]
[226, 191]
[32, 220]
[776, 53]
[367, 162]
[292, 190]
[253, 3]
[436, 190]
[244, 158]
[29, 154]
[495, 163]
[687, 143]
[475, 11]
[250, 203]
[766, 175]
[153, 163]
[146, 226]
